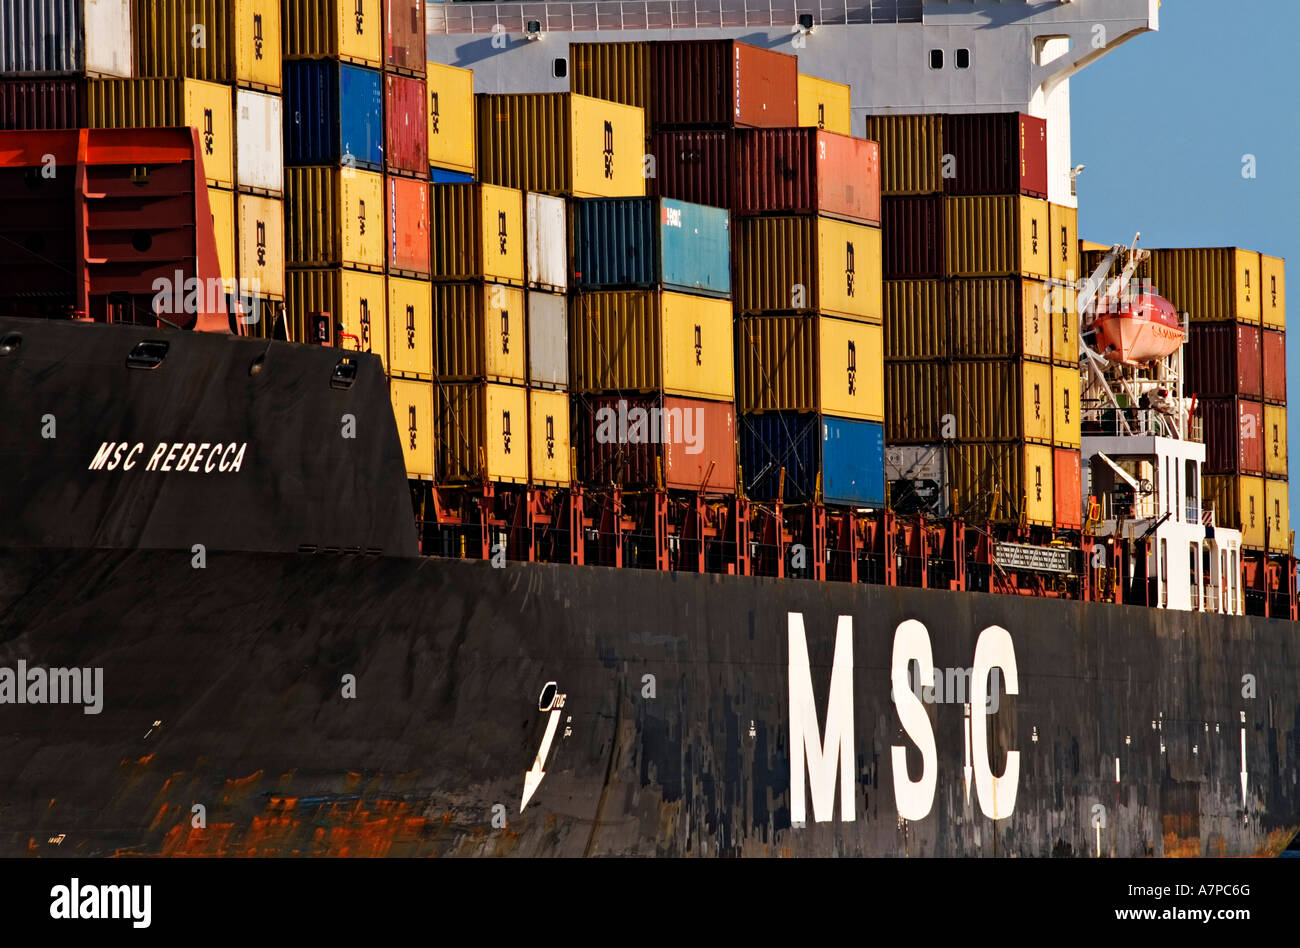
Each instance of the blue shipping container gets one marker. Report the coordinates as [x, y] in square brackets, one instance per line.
[444, 176]
[624, 243]
[853, 462]
[849, 454]
[333, 113]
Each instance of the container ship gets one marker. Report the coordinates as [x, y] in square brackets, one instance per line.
[656, 428]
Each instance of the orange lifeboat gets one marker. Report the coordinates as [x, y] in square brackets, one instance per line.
[1139, 330]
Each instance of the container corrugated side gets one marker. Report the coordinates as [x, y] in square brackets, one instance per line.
[916, 399]
[1224, 359]
[561, 143]
[355, 299]
[451, 123]
[1063, 223]
[258, 44]
[916, 318]
[1063, 306]
[548, 340]
[260, 238]
[1002, 483]
[259, 142]
[804, 264]
[1275, 438]
[221, 207]
[911, 152]
[548, 434]
[406, 129]
[1273, 287]
[650, 340]
[693, 165]
[1234, 435]
[41, 104]
[996, 153]
[1066, 421]
[190, 38]
[479, 332]
[413, 409]
[155, 103]
[853, 462]
[1067, 494]
[802, 363]
[478, 233]
[915, 245]
[1238, 505]
[547, 255]
[47, 37]
[408, 243]
[334, 217]
[1273, 346]
[410, 328]
[1210, 284]
[996, 236]
[616, 72]
[715, 83]
[806, 171]
[1277, 514]
[404, 36]
[780, 455]
[1001, 401]
[482, 432]
[825, 104]
[333, 113]
[350, 30]
[998, 318]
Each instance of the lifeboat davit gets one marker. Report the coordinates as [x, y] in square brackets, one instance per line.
[1139, 330]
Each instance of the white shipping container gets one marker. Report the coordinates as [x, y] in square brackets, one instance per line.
[548, 257]
[548, 340]
[918, 478]
[49, 37]
[259, 143]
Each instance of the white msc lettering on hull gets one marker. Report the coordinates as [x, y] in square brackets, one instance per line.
[192, 457]
[913, 798]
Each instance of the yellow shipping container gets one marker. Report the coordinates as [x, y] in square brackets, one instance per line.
[1273, 283]
[222, 205]
[1064, 306]
[1238, 501]
[651, 341]
[1064, 224]
[561, 143]
[1065, 406]
[410, 328]
[350, 30]
[911, 152]
[226, 41]
[1003, 483]
[811, 363]
[334, 217]
[160, 103]
[1275, 463]
[996, 236]
[824, 104]
[1003, 318]
[261, 246]
[451, 117]
[916, 395]
[617, 72]
[1210, 284]
[808, 265]
[257, 44]
[915, 319]
[1277, 506]
[479, 333]
[478, 233]
[482, 432]
[413, 411]
[355, 299]
[548, 435]
[1001, 401]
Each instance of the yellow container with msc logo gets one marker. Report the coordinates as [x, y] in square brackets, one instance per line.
[810, 363]
[261, 246]
[410, 328]
[1277, 510]
[548, 435]
[355, 299]
[824, 104]
[1065, 406]
[1005, 235]
[477, 232]
[1064, 224]
[479, 332]
[335, 217]
[350, 30]
[450, 92]
[413, 411]
[1002, 400]
[1002, 483]
[221, 205]
[1275, 464]
[482, 432]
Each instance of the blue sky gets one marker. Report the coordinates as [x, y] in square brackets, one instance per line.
[1162, 124]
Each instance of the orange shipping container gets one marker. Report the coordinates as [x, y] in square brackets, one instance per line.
[1067, 489]
[408, 227]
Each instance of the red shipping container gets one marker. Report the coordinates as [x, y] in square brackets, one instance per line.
[407, 209]
[913, 237]
[404, 48]
[806, 171]
[1234, 435]
[1273, 345]
[1067, 489]
[621, 438]
[996, 153]
[1224, 359]
[722, 83]
[693, 166]
[41, 104]
[406, 131]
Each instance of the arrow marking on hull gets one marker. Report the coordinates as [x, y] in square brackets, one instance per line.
[533, 778]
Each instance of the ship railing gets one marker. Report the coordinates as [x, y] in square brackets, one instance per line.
[1128, 422]
[616, 15]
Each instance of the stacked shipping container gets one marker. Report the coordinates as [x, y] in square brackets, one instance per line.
[979, 323]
